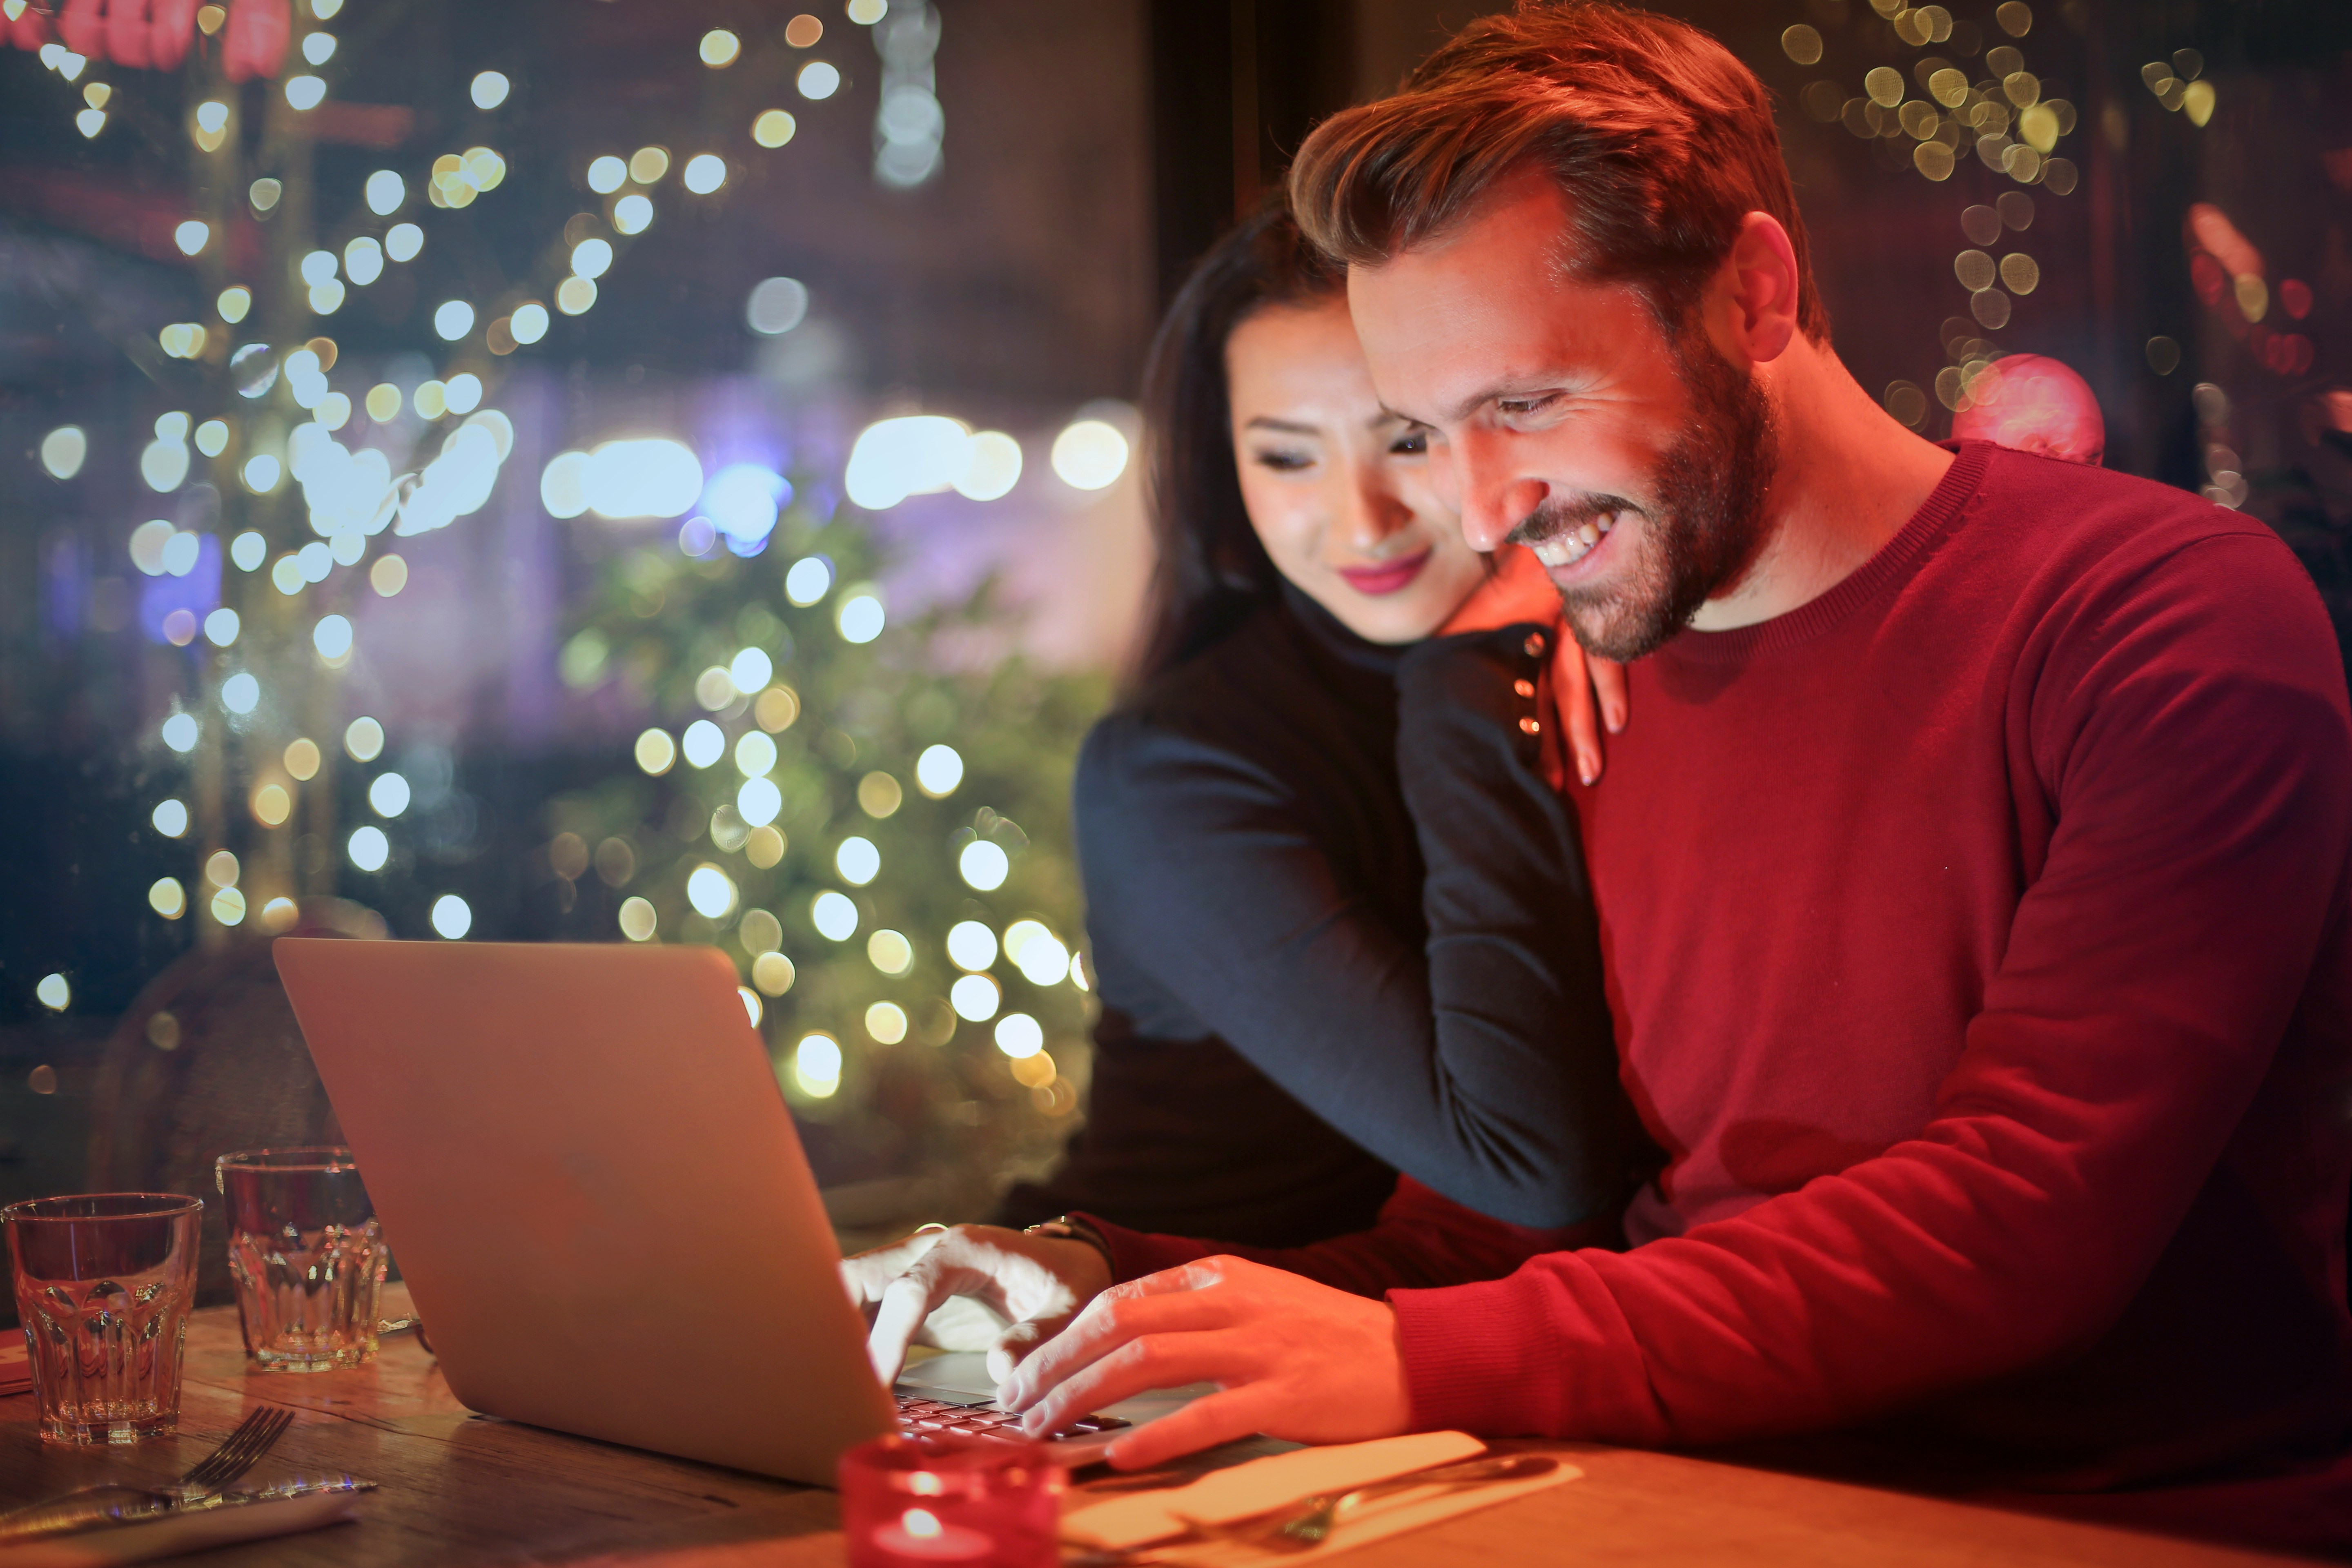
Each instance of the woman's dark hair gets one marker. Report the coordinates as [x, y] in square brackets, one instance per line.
[1210, 570]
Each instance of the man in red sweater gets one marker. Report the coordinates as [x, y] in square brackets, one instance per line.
[1973, 887]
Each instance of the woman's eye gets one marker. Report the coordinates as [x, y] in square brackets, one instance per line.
[1282, 462]
[1517, 408]
[1411, 444]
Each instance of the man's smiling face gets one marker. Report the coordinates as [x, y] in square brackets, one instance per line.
[1633, 463]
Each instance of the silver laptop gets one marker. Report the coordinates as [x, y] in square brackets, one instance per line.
[584, 1164]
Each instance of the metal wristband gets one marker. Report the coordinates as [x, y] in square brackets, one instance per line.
[1076, 1228]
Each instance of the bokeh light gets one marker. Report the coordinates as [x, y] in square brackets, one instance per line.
[1018, 1035]
[637, 920]
[369, 849]
[489, 90]
[857, 860]
[710, 890]
[833, 915]
[773, 974]
[1089, 455]
[816, 1065]
[655, 752]
[364, 740]
[389, 795]
[940, 770]
[452, 916]
[984, 865]
[167, 898]
[861, 617]
[971, 945]
[703, 743]
[974, 996]
[759, 802]
[809, 579]
[776, 305]
[879, 796]
[63, 451]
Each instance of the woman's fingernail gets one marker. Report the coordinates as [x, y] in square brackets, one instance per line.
[1614, 718]
[1586, 771]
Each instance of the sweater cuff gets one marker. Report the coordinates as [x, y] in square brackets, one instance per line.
[1542, 1353]
[1136, 1253]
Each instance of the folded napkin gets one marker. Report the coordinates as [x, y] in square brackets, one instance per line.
[1379, 1518]
[192, 1529]
[1222, 1496]
[15, 1368]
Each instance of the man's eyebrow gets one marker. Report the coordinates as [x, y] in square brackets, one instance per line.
[1288, 427]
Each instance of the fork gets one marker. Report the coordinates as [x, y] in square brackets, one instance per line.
[208, 1478]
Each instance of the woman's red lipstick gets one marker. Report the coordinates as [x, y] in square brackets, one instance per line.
[1388, 578]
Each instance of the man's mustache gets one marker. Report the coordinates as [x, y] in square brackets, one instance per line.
[1555, 518]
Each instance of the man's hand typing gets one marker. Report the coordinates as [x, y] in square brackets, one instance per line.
[1290, 1358]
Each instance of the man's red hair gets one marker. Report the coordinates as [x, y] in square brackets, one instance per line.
[1661, 140]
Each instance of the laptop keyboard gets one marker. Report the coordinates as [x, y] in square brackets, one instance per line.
[977, 1416]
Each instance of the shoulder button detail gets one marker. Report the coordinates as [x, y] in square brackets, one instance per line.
[1524, 687]
[1534, 644]
[1530, 726]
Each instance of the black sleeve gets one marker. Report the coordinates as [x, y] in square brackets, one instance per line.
[1484, 1067]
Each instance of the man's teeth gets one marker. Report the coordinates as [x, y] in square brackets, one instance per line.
[1567, 549]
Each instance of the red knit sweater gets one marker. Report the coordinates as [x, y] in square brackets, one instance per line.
[1981, 948]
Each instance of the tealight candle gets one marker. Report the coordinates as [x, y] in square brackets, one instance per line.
[918, 1502]
[919, 1536]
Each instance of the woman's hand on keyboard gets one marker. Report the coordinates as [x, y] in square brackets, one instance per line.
[972, 1288]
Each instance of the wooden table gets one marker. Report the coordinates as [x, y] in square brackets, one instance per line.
[461, 1491]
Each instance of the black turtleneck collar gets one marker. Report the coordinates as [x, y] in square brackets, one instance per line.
[1326, 629]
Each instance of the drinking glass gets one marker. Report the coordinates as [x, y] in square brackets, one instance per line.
[307, 1256]
[103, 1287]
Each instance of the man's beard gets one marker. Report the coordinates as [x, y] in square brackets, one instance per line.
[1704, 518]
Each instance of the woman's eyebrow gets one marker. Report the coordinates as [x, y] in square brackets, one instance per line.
[1288, 427]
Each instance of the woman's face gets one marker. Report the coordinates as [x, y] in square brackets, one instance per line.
[1337, 487]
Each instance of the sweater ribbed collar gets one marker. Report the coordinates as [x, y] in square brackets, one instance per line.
[1893, 563]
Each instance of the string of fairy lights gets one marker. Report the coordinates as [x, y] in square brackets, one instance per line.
[2004, 115]
[354, 496]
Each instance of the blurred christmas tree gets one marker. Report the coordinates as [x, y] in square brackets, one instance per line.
[866, 821]
[872, 834]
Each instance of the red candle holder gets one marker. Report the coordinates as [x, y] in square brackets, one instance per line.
[910, 1502]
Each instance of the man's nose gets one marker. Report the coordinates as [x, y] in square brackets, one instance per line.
[1494, 499]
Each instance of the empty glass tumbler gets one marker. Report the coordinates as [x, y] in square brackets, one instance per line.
[103, 1287]
[307, 1256]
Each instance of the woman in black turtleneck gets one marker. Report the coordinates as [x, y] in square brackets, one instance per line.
[1338, 917]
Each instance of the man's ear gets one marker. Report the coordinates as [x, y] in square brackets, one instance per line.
[1751, 302]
